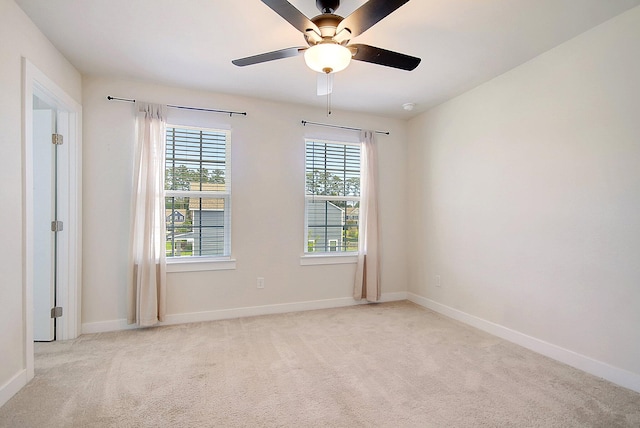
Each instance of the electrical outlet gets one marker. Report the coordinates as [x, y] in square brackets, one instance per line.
[260, 282]
[438, 281]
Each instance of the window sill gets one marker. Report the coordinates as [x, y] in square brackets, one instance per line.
[328, 259]
[200, 264]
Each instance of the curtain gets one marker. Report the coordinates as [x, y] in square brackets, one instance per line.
[148, 264]
[367, 281]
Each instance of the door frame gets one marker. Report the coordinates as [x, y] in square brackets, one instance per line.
[69, 205]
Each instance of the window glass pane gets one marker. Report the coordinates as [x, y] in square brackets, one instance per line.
[332, 226]
[195, 157]
[195, 226]
[332, 169]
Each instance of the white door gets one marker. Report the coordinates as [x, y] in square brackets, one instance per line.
[44, 212]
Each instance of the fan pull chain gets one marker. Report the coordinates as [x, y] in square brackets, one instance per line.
[328, 95]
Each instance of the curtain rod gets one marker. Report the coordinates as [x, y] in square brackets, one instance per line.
[304, 123]
[230, 113]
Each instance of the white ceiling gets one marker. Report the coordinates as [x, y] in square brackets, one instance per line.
[190, 43]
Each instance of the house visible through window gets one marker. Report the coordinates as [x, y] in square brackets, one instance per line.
[198, 192]
[332, 196]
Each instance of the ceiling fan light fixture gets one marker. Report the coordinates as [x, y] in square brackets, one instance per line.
[327, 57]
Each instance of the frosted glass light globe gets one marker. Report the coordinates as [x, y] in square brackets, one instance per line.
[327, 57]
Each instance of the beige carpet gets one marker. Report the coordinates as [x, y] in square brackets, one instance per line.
[386, 365]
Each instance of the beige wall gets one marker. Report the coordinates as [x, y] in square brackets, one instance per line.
[19, 38]
[267, 202]
[523, 194]
[526, 197]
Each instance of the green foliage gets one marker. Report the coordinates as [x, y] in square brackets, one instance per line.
[325, 183]
[181, 177]
[182, 248]
[351, 237]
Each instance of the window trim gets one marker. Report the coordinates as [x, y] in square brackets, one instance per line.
[326, 257]
[315, 259]
[209, 262]
[199, 264]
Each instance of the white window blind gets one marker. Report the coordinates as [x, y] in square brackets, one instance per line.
[332, 196]
[198, 192]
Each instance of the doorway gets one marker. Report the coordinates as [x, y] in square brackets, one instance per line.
[45, 194]
[52, 211]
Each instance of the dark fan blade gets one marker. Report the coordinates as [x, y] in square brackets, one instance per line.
[292, 15]
[384, 57]
[368, 14]
[269, 56]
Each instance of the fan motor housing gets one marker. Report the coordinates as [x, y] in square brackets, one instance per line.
[327, 23]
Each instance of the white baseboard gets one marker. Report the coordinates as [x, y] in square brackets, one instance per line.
[394, 297]
[12, 386]
[597, 368]
[121, 324]
[258, 310]
[106, 326]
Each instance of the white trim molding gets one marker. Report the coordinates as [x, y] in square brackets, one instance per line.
[196, 264]
[251, 311]
[328, 259]
[70, 207]
[597, 368]
[12, 386]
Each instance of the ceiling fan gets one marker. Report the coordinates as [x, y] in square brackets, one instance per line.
[328, 36]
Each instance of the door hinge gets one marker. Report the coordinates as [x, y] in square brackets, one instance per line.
[56, 312]
[56, 139]
[56, 226]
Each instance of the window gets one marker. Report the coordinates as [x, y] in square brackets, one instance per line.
[332, 196]
[198, 192]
